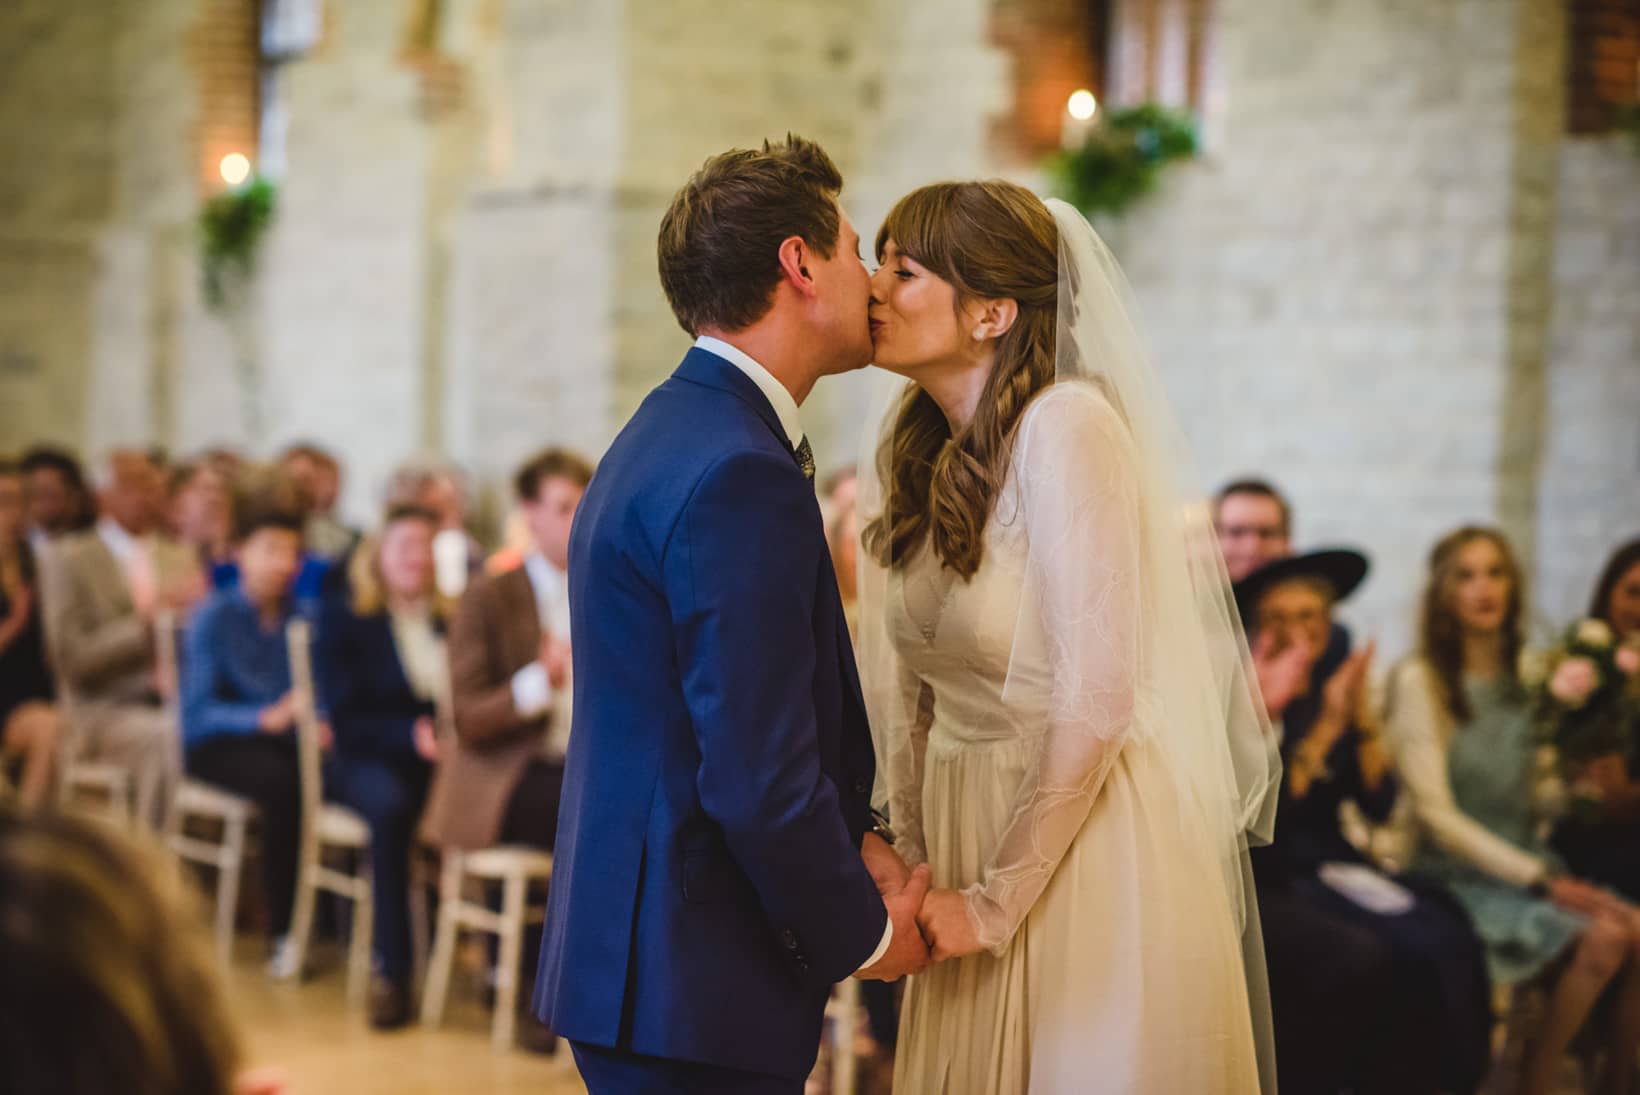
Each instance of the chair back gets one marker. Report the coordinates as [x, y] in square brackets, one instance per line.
[299, 642]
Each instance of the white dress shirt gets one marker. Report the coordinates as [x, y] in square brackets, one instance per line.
[121, 543]
[532, 691]
[785, 408]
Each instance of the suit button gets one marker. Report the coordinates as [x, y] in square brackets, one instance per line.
[790, 940]
[861, 787]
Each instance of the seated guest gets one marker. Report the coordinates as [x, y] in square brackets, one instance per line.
[315, 572]
[102, 591]
[442, 491]
[318, 476]
[509, 677]
[1434, 1022]
[1462, 730]
[381, 670]
[58, 501]
[1606, 848]
[510, 688]
[29, 726]
[238, 713]
[109, 984]
[201, 517]
[1616, 597]
[1254, 523]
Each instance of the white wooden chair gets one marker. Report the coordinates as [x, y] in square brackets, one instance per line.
[843, 1011]
[194, 800]
[325, 826]
[91, 787]
[515, 868]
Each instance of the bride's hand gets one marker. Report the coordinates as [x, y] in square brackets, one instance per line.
[946, 926]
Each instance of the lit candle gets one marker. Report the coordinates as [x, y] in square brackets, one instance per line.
[1080, 110]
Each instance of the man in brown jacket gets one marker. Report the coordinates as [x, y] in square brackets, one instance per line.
[509, 680]
[102, 592]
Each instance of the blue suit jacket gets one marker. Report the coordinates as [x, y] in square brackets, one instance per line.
[707, 888]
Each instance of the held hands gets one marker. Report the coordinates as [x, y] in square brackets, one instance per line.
[903, 892]
[945, 923]
[425, 735]
[22, 603]
[555, 659]
[1283, 673]
[278, 717]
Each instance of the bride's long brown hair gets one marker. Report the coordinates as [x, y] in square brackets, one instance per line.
[991, 240]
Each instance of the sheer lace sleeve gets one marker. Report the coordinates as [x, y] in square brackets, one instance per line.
[907, 748]
[1078, 636]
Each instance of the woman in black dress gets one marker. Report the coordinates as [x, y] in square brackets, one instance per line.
[29, 726]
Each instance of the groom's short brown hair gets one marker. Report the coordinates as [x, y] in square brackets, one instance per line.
[720, 239]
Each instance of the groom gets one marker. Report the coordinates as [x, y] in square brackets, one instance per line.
[718, 865]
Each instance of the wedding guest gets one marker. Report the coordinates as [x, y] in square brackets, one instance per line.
[102, 591]
[382, 674]
[238, 712]
[1616, 598]
[441, 490]
[58, 500]
[1606, 848]
[201, 516]
[1462, 731]
[109, 984]
[318, 475]
[1433, 1027]
[29, 724]
[1254, 525]
[510, 691]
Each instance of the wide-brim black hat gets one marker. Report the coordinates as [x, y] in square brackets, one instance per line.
[1343, 569]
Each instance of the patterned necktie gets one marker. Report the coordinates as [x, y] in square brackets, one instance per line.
[805, 458]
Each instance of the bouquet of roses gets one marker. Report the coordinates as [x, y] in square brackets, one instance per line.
[1587, 704]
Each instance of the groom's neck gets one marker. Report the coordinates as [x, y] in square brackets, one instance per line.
[774, 345]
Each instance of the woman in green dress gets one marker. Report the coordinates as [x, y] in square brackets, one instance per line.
[1461, 728]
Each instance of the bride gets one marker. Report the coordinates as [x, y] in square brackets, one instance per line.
[1056, 673]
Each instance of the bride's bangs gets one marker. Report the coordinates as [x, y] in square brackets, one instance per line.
[923, 225]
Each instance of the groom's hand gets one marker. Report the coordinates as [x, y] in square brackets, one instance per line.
[884, 864]
[907, 953]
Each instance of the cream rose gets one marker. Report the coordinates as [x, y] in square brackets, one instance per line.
[1594, 633]
[1574, 680]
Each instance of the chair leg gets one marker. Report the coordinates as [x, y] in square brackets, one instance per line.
[444, 942]
[420, 922]
[358, 956]
[227, 886]
[845, 1021]
[301, 920]
[504, 1025]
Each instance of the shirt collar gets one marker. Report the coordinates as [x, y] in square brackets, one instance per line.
[785, 407]
[119, 541]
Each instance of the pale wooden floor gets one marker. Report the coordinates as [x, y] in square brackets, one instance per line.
[307, 1033]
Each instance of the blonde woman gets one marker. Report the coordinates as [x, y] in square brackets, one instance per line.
[382, 674]
[1462, 732]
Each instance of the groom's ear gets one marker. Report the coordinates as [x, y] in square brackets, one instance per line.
[794, 264]
[994, 318]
